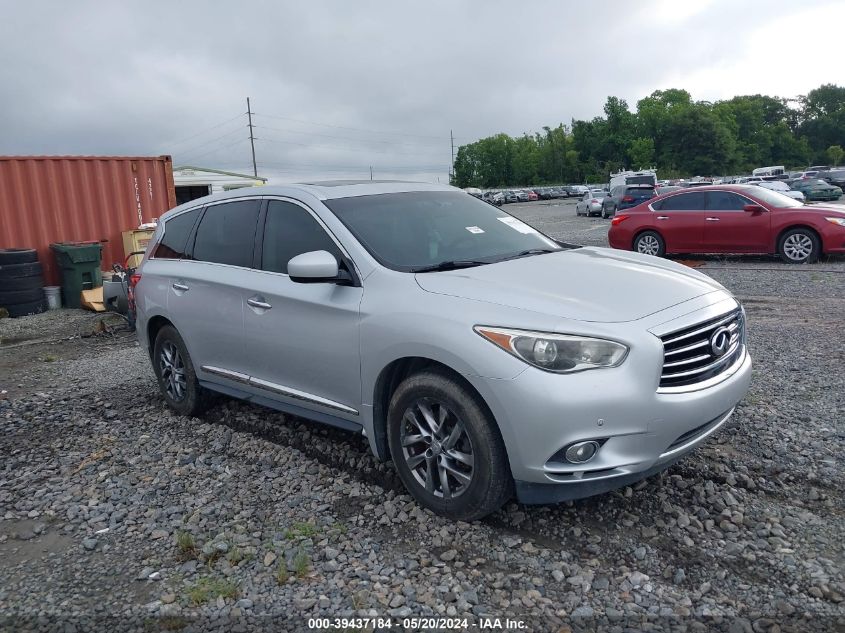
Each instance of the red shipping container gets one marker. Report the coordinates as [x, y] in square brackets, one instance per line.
[46, 199]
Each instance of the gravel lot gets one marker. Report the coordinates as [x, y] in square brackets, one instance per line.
[115, 513]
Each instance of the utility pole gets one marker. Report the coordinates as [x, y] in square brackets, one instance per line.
[452, 166]
[371, 172]
[251, 138]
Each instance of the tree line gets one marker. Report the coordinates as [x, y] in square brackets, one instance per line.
[669, 131]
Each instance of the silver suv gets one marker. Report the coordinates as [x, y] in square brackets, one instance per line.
[484, 358]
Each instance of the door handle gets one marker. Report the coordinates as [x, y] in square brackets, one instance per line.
[712, 219]
[180, 286]
[256, 302]
[662, 217]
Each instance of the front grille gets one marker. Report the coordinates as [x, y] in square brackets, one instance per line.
[689, 356]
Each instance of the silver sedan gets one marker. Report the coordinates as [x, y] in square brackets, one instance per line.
[590, 202]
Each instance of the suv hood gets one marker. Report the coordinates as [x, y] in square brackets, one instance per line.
[582, 284]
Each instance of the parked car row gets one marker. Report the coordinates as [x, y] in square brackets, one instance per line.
[608, 204]
[730, 219]
[505, 196]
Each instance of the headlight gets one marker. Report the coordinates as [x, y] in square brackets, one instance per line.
[839, 221]
[559, 353]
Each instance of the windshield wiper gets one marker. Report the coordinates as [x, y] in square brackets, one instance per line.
[451, 264]
[530, 251]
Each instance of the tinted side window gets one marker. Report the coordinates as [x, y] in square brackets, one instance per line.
[684, 202]
[290, 231]
[226, 234]
[176, 232]
[725, 201]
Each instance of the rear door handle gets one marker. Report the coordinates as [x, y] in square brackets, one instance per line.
[712, 219]
[180, 286]
[662, 217]
[258, 302]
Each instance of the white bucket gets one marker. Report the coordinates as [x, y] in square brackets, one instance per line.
[54, 297]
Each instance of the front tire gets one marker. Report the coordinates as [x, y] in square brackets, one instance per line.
[650, 243]
[447, 449]
[799, 246]
[177, 379]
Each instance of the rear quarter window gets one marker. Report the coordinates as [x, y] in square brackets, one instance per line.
[176, 232]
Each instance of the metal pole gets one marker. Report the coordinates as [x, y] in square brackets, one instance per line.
[452, 167]
[251, 138]
[371, 172]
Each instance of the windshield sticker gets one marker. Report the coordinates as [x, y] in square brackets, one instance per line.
[474, 229]
[516, 225]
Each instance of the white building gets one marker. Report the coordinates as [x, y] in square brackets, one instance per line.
[195, 182]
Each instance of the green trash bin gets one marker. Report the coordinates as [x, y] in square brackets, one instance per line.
[80, 266]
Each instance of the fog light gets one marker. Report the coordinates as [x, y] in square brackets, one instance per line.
[582, 452]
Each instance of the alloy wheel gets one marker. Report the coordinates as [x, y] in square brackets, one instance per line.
[798, 247]
[172, 369]
[648, 245]
[437, 448]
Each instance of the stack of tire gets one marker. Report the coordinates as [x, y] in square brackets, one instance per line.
[21, 282]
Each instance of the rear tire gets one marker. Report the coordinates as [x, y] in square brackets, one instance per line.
[15, 297]
[13, 271]
[463, 447]
[25, 309]
[17, 256]
[650, 243]
[21, 283]
[177, 379]
[799, 246]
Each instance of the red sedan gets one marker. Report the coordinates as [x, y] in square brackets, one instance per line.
[730, 219]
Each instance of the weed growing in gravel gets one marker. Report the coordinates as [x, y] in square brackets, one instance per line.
[210, 588]
[298, 530]
[236, 555]
[49, 358]
[282, 575]
[186, 546]
[360, 600]
[301, 563]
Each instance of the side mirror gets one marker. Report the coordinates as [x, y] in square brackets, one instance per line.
[315, 267]
[753, 208]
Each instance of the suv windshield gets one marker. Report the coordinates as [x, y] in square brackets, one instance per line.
[418, 230]
[640, 180]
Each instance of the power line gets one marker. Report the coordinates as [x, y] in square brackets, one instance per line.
[205, 144]
[347, 138]
[213, 127]
[356, 129]
[214, 150]
[334, 147]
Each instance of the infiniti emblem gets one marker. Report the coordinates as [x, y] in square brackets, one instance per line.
[720, 340]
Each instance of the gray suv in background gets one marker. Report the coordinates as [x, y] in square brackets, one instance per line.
[484, 358]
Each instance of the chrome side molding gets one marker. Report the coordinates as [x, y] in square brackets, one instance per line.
[289, 392]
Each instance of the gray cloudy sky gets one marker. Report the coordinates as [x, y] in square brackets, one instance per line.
[338, 86]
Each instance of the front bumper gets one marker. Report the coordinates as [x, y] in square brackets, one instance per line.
[640, 429]
[537, 493]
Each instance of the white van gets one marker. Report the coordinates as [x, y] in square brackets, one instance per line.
[775, 170]
[645, 177]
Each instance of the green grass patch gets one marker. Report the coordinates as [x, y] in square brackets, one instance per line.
[186, 546]
[207, 589]
[301, 564]
[301, 530]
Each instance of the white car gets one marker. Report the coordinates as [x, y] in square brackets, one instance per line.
[781, 187]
